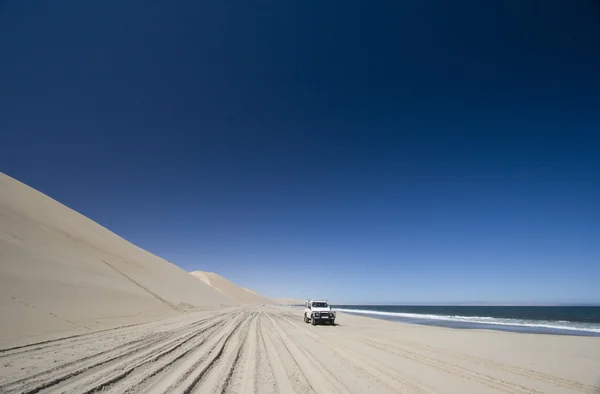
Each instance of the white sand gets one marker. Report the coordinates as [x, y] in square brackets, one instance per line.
[271, 350]
[239, 294]
[61, 272]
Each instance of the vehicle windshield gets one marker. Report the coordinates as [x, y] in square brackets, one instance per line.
[319, 305]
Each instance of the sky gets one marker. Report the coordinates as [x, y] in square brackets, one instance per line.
[398, 152]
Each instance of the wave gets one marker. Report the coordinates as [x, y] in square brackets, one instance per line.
[553, 325]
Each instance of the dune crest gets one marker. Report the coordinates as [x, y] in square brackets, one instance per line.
[288, 301]
[239, 294]
[62, 272]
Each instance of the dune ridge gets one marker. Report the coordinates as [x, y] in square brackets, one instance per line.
[288, 301]
[237, 293]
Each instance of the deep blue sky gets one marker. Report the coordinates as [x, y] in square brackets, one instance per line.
[405, 151]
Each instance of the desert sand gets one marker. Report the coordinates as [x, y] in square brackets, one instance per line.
[271, 350]
[82, 310]
[61, 272]
[239, 294]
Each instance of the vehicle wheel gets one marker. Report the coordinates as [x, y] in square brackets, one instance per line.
[313, 322]
[305, 319]
[333, 323]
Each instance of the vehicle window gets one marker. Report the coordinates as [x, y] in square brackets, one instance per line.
[319, 304]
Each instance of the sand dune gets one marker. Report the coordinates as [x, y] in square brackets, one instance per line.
[271, 350]
[251, 291]
[238, 294]
[61, 272]
[288, 301]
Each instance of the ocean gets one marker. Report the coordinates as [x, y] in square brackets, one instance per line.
[565, 320]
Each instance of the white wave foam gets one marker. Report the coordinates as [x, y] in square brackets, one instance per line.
[555, 325]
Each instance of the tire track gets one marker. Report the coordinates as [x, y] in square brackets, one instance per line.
[16, 350]
[36, 382]
[243, 378]
[156, 361]
[149, 379]
[265, 376]
[79, 368]
[528, 373]
[296, 375]
[31, 377]
[218, 377]
[380, 372]
[100, 337]
[322, 380]
[214, 356]
[454, 369]
[180, 376]
[279, 373]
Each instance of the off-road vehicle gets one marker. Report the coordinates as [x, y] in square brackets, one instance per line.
[318, 312]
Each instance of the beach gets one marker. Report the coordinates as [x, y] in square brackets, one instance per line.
[271, 350]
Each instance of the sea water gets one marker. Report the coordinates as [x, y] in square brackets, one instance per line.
[566, 320]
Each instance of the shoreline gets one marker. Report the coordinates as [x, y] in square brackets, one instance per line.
[457, 318]
[457, 325]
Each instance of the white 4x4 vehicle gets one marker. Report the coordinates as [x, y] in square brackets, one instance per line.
[318, 312]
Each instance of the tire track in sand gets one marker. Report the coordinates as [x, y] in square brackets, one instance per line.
[76, 370]
[63, 341]
[245, 372]
[555, 381]
[381, 373]
[98, 339]
[281, 380]
[34, 383]
[129, 374]
[219, 375]
[185, 374]
[454, 369]
[321, 380]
